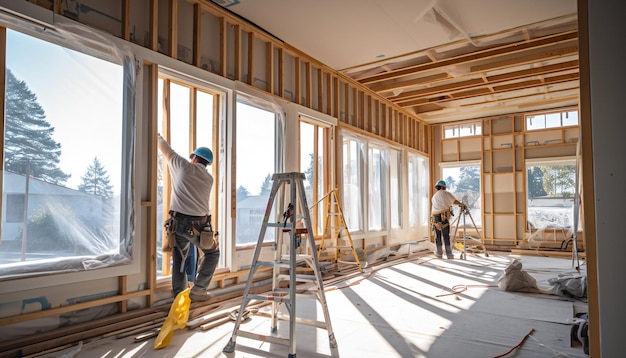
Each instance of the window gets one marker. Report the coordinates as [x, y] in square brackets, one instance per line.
[551, 190]
[395, 197]
[353, 179]
[419, 191]
[551, 120]
[378, 179]
[185, 127]
[462, 130]
[313, 163]
[65, 203]
[256, 160]
[463, 181]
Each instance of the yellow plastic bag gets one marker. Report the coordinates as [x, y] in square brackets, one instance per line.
[177, 318]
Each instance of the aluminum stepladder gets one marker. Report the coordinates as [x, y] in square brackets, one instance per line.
[335, 223]
[476, 242]
[280, 295]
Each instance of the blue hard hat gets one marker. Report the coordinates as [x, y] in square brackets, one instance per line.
[440, 183]
[205, 153]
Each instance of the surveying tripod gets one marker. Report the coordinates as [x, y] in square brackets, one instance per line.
[476, 242]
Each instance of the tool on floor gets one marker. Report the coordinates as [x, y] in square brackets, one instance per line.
[334, 226]
[470, 244]
[284, 270]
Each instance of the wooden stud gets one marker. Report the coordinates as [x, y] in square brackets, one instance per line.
[250, 59]
[269, 68]
[172, 29]
[238, 55]
[154, 25]
[125, 23]
[223, 50]
[197, 36]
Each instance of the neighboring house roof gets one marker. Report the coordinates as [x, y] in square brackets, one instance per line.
[16, 183]
[253, 202]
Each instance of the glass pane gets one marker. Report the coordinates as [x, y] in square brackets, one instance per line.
[570, 118]
[553, 120]
[352, 185]
[322, 188]
[450, 131]
[179, 119]
[467, 130]
[413, 192]
[204, 121]
[551, 190]
[255, 165]
[395, 163]
[377, 190]
[63, 159]
[464, 183]
[535, 122]
[307, 158]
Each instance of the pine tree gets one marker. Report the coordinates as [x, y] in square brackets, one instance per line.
[96, 181]
[242, 193]
[29, 148]
[266, 187]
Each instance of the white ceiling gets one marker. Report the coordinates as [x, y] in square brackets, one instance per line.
[365, 38]
[349, 33]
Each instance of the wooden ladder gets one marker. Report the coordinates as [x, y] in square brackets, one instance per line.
[334, 226]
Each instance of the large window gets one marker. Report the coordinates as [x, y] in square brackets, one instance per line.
[419, 200]
[65, 205]
[258, 142]
[313, 163]
[353, 184]
[187, 123]
[550, 190]
[551, 120]
[378, 179]
[462, 130]
[463, 181]
[395, 187]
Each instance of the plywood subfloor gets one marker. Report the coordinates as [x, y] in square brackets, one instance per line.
[418, 307]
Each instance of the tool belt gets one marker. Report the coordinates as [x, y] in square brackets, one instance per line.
[441, 220]
[199, 226]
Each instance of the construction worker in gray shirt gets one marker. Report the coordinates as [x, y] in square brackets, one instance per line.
[189, 219]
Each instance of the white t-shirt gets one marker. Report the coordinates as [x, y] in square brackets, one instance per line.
[191, 183]
[441, 201]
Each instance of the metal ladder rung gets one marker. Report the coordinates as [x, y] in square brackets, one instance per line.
[271, 298]
[260, 337]
[299, 320]
[299, 278]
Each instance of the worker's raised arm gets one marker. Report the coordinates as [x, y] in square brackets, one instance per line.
[164, 147]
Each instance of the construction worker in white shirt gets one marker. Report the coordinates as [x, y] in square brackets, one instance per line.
[441, 211]
[190, 220]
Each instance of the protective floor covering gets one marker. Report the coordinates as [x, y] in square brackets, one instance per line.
[417, 307]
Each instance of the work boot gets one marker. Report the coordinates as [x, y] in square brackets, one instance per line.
[199, 294]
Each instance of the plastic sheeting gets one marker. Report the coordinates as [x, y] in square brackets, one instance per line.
[567, 285]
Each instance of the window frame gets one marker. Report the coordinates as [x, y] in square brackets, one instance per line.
[124, 228]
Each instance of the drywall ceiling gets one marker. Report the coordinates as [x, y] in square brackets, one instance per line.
[443, 60]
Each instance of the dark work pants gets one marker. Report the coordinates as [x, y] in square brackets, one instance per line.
[206, 264]
[445, 232]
